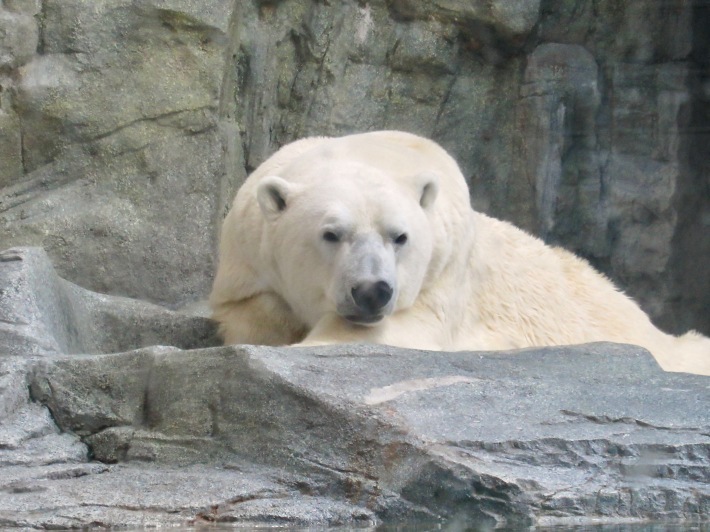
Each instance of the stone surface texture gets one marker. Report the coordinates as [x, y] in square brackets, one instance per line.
[126, 127]
[115, 412]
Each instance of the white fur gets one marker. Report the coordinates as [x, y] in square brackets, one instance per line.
[461, 281]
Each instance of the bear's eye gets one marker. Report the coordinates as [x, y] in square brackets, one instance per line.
[330, 236]
[400, 240]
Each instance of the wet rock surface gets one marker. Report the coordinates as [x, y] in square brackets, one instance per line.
[355, 435]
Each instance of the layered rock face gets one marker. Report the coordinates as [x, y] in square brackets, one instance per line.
[126, 127]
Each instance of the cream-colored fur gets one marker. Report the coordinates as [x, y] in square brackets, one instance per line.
[487, 284]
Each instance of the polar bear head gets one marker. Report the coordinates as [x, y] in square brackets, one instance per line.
[346, 237]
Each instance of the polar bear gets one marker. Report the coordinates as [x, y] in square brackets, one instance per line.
[372, 238]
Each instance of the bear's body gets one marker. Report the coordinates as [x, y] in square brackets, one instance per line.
[372, 238]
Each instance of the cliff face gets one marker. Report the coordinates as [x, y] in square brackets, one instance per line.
[126, 127]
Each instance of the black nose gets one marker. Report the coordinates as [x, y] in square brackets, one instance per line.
[372, 297]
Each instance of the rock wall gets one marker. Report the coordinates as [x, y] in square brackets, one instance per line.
[126, 126]
[112, 159]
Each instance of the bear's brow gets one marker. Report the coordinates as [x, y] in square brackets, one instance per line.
[337, 214]
[339, 223]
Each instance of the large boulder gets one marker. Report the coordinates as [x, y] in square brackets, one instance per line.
[43, 315]
[544, 436]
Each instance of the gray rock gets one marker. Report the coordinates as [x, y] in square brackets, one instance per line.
[136, 496]
[28, 7]
[515, 17]
[43, 315]
[10, 146]
[548, 436]
[18, 39]
[116, 93]
[559, 105]
[28, 434]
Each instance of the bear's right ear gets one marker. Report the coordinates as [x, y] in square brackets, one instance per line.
[428, 184]
[273, 195]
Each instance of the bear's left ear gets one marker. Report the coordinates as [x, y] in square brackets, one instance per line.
[428, 186]
[273, 195]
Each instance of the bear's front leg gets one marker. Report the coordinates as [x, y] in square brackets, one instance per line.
[263, 319]
[402, 329]
[332, 329]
